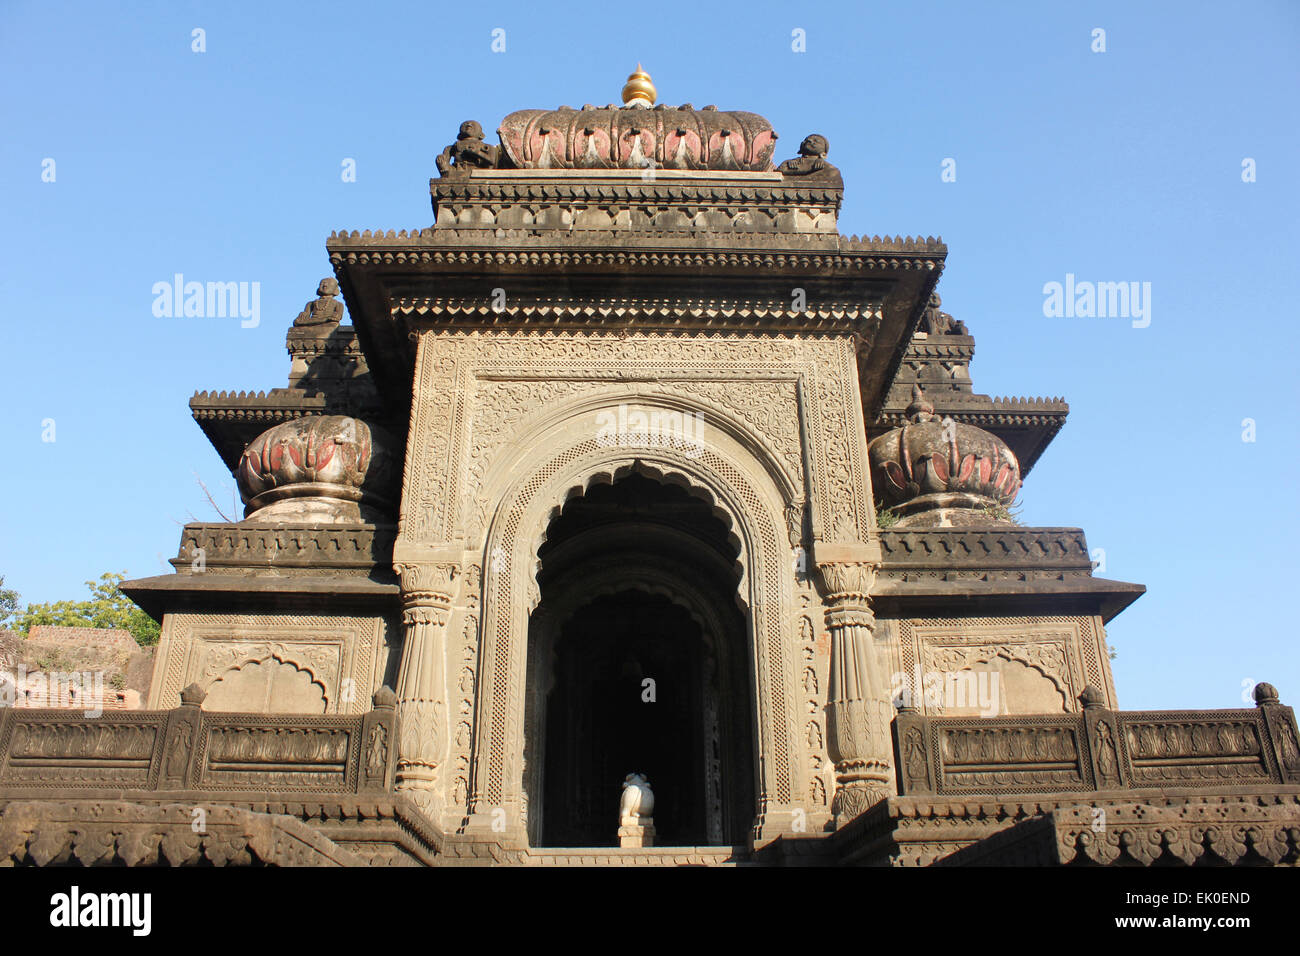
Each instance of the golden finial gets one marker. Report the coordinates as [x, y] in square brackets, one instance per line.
[639, 91]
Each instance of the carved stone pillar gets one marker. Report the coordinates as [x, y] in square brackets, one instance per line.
[427, 594]
[858, 711]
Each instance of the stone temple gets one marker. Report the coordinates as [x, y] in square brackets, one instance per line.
[638, 516]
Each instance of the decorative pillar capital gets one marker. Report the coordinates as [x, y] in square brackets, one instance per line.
[428, 590]
[847, 582]
[846, 589]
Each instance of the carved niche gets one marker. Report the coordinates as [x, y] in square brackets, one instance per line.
[1041, 663]
[263, 663]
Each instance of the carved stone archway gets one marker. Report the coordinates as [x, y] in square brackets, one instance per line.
[638, 578]
[748, 501]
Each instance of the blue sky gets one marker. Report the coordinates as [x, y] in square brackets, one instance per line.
[1117, 166]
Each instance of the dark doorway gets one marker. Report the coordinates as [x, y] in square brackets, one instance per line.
[628, 697]
[639, 663]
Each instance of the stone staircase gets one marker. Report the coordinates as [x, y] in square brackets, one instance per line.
[647, 856]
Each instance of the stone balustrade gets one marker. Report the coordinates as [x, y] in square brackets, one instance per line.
[188, 749]
[1098, 749]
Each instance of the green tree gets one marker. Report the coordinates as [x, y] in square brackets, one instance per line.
[8, 603]
[107, 607]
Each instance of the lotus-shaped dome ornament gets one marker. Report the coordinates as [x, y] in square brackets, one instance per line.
[328, 468]
[935, 472]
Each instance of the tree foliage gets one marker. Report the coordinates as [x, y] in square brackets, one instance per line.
[107, 607]
[8, 604]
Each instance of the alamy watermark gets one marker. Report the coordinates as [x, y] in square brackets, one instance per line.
[208, 300]
[657, 428]
[83, 689]
[951, 690]
[1098, 300]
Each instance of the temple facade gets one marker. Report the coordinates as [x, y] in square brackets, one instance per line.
[639, 514]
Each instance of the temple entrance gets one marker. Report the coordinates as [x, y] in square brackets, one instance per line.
[639, 663]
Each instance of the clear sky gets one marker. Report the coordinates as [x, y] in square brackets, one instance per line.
[1117, 166]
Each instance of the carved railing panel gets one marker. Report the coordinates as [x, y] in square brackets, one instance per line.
[53, 748]
[189, 749]
[1097, 749]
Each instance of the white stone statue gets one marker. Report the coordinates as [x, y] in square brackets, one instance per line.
[636, 806]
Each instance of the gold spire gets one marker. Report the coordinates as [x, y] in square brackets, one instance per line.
[639, 91]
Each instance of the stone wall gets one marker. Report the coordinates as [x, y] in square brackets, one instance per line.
[76, 667]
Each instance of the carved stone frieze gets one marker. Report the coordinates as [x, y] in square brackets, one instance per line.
[353, 548]
[1195, 834]
[478, 391]
[114, 832]
[1226, 829]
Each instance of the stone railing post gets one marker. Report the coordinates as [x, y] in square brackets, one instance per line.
[177, 770]
[1105, 745]
[858, 713]
[378, 734]
[1281, 723]
[427, 594]
[912, 754]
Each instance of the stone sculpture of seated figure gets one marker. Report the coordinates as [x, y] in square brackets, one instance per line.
[468, 151]
[325, 311]
[811, 159]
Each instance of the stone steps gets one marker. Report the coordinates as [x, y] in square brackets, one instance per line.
[647, 856]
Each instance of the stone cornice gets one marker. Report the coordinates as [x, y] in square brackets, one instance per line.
[767, 250]
[1036, 548]
[679, 313]
[1027, 425]
[272, 407]
[966, 568]
[249, 545]
[532, 187]
[961, 347]
[980, 409]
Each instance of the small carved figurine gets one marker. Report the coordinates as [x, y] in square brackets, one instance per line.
[937, 322]
[378, 759]
[811, 159]
[469, 150]
[637, 804]
[324, 310]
